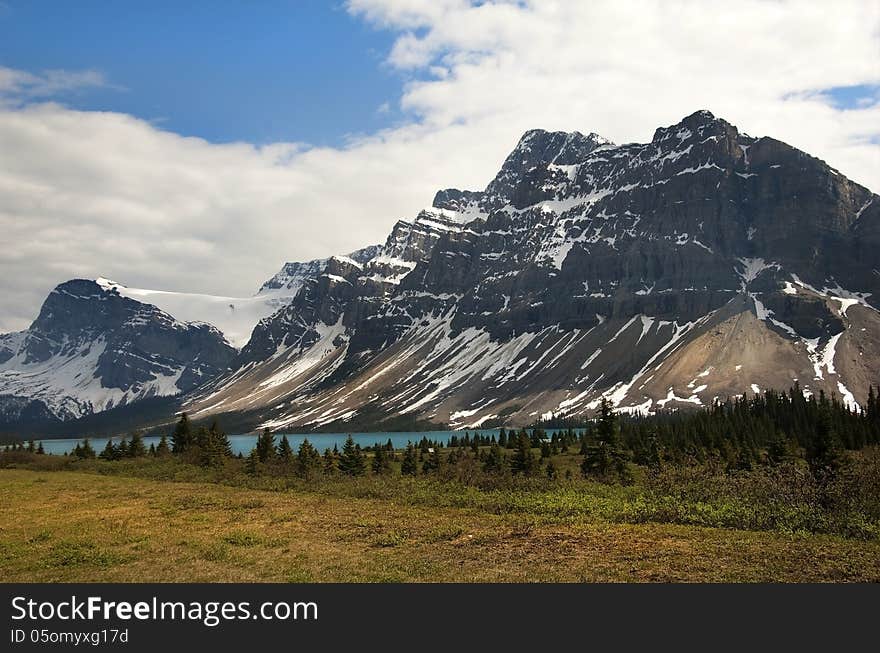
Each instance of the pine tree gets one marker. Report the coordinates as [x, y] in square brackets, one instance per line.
[777, 449]
[308, 460]
[182, 437]
[162, 448]
[136, 448]
[824, 453]
[605, 458]
[495, 462]
[352, 462]
[86, 450]
[502, 438]
[213, 446]
[285, 451]
[252, 463]
[409, 464]
[655, 452]
[381, 464]
[523, 461]
[550, 469]
[40, 449]
[152, 450]
[432, 462]
[109, 451]
[331, 461]
[265, 446]
[32, 446]
[219, 440]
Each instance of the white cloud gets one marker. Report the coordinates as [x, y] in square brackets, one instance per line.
[18, 86]
[91, 193]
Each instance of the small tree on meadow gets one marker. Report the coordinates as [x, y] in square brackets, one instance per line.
[86, 450]
[182, 437]
[330, 461]
[523, 460]
[162, 448]
[265, 446]
[496, 462]
[351, 461]
[252, 463]
[381, 464]
[108, 452]
[409, 465]
[605, 458]
[308, 460]
[136, 448]
[285, 451]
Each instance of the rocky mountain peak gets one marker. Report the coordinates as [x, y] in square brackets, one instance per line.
[697, 127]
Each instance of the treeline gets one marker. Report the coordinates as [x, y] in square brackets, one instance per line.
[766, 428]
[738, 435]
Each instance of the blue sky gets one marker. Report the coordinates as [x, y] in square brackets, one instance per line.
[259, 72]
[274, 71]
[102, 179]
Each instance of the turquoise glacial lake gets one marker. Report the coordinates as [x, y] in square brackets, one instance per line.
[322, 441]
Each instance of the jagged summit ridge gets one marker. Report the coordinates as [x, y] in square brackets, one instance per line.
[702, 264]
[588, 269]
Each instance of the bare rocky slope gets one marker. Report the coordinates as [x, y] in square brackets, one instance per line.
[703, 264]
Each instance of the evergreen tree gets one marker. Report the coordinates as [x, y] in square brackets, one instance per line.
[655, 452]
[523, 461]
[32, 446]
[86, 450]
[308, 460]
[432, 462]
[351, 461]
[409, 464]
[40, 449]
[136, 448]
[285, 451]
[152, 450]
[162, 448]
[495, 462]
[381, 464]
[545, 450]
[824, 451]
[252, 463]
[108, 452]
[551, 470]
[265, 446]
[331, 461]
[213, 446]
[777, 449]
[604, 458]
[502, 438]
[182, 437]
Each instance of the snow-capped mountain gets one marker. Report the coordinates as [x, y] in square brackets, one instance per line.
[93, 348]
[705, 263]
[98, 345]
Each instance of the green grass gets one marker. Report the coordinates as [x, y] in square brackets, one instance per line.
[101, 523]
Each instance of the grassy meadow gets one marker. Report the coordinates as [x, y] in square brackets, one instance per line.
[167, 520]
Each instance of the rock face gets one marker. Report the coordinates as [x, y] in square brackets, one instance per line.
[702, 264]
[91, 349]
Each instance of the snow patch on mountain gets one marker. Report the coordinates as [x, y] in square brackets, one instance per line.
[235, 317]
